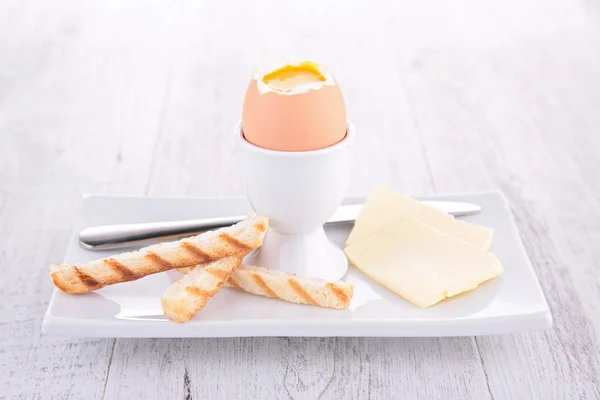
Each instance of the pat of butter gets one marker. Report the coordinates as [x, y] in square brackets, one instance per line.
[384, 207]
[421, 264]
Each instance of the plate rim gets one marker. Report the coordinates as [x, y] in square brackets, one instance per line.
[536, 319]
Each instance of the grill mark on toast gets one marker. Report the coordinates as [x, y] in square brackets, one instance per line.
[197, 252]
[240, 246]
[263, 285]
[337, 292]
[217, 273]
[86, 279]
[234, 283]
[300, 291]
[158, 260]
[124, 272]
[261, 227]
[198, 291]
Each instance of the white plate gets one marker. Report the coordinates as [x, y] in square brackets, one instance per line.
[512, 303]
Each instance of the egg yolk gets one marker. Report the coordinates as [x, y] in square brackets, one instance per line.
[285, 79]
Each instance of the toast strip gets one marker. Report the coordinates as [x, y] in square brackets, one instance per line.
[207, 247]
[289, 287]
[184, 298]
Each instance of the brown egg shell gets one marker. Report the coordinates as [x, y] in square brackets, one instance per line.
[299, 122]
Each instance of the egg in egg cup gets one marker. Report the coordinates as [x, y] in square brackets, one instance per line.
[295, 140]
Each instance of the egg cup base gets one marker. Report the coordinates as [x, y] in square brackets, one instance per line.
[310, 255]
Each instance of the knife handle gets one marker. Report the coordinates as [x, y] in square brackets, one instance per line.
[116, 236]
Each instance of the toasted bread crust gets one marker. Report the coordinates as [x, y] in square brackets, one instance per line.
[289, 287]
[236, 240]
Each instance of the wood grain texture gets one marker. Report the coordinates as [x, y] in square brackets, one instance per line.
[528, 157]
[140, 97]
[67, 127]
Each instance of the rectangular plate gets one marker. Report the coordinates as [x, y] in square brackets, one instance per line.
[511, 303]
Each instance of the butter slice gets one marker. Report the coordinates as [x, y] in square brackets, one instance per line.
[384, 207]
[421, 264]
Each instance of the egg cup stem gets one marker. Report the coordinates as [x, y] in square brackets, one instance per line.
[310, 254]
[299, 192]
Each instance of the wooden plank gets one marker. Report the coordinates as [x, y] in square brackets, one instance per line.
[34, 229]
[79, 111]
[263, 368]
[564, 362]
[520, 141]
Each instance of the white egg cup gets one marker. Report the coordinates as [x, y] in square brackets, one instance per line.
[299, 192]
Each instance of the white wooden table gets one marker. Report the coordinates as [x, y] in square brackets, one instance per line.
[140, 97]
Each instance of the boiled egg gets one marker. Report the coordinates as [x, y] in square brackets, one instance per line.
[294, 106]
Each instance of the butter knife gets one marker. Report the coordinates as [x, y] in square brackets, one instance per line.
[117, 236]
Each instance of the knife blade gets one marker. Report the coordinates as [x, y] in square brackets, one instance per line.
[117, 236]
